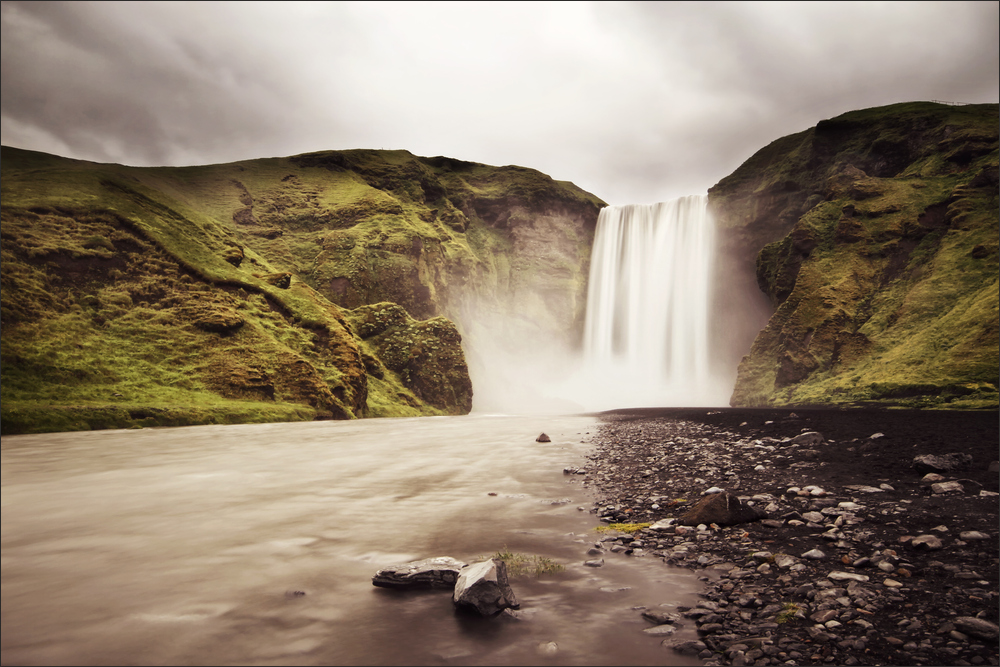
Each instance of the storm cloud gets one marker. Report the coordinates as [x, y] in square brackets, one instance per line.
[634, 102]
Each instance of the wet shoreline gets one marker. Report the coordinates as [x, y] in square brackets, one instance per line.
[836, 574]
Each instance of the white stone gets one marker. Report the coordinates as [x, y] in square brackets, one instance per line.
[847, 576]
[947, 487]
[663, 524]
[973, 535]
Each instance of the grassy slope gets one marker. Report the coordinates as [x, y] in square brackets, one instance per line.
[154, 296]
[885, 285]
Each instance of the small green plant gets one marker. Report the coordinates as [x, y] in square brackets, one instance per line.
[521, 564]
[787, 612]
[623, 527]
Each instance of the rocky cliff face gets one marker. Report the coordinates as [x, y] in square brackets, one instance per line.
[874, 236]
[328, 285]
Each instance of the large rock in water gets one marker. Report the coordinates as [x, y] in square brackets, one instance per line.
[483, 588]
[723, 509]
[440, 572]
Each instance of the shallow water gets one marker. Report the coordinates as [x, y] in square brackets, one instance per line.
[182, 546]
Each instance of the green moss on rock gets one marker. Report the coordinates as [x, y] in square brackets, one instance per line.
[871, 234]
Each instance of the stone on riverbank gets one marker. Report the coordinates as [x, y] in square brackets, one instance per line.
[940, 463]
[723, 509]
[440, 572]
[483, 588]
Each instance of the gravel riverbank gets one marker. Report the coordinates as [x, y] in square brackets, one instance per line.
[862, 559]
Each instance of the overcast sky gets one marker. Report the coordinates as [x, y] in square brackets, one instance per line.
[634, 102]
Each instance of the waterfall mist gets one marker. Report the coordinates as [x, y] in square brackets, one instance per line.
[665, 323]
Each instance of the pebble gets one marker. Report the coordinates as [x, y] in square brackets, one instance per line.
[772, 602]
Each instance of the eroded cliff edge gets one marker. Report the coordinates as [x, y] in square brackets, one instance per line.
[328, 285]
[874, 235]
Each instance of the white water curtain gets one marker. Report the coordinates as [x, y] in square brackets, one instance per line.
[646, 334]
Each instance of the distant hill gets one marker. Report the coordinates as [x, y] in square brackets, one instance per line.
[874, 234]
[325, 285]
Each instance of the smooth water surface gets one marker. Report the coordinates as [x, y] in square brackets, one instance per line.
[185, 545]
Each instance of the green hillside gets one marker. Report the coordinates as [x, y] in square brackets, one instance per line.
[875, 236]
[317, 286]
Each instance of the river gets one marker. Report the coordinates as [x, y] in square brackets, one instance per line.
[186, 545]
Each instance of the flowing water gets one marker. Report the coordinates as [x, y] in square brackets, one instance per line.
[648, 307]
[185, 546]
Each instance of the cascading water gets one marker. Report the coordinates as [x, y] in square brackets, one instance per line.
[646, 338]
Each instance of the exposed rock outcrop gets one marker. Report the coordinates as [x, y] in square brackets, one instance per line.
[873, 235]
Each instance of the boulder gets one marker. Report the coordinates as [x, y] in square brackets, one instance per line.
[543, 438]
[977, 627]
[483, 588]
[723, 509]
[941, 463]
[440, 572]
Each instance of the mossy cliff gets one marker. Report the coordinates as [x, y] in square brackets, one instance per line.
[874, 235]
[317, 286]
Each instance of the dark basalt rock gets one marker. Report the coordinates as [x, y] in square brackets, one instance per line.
[723, 509]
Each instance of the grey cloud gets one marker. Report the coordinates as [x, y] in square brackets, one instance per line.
[632, 101]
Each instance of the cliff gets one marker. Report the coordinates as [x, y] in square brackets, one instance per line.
[874, 236]
[329, 285]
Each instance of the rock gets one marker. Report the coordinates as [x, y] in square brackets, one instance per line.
[814, 554]
[941, 463]
[847, 576]
[863, 488]
[693, 647]
[947, 487]
[660, 617]
[483, 588]
[595, 563]
[931, 477]
[663, 524]
[784, 561]
[807, 438]
[977, 627]
[927, 542]
[440, 572]
[723, 509]
[970, 535]
[543, 438]
[660, 630]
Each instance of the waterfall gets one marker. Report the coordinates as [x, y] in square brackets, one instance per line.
[646, 337]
